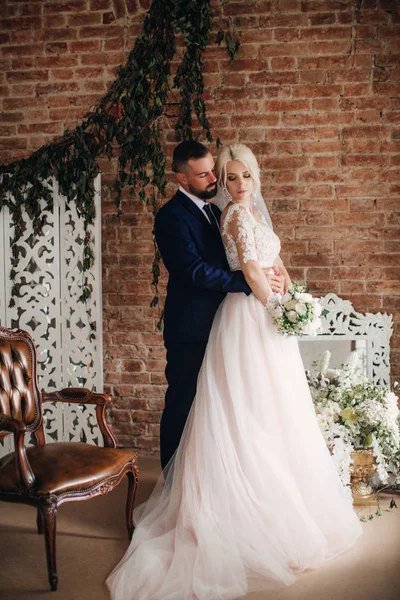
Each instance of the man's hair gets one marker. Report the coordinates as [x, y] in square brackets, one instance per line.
[185, 151]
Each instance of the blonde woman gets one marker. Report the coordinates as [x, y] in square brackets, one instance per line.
[251, 496]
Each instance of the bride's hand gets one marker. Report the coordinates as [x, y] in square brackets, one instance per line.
[276, 279]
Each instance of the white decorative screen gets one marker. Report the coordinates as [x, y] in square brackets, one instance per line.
[67, 333]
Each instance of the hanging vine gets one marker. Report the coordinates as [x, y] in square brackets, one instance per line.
[126, 125]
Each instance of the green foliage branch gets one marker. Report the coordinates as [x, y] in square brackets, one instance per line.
[125, 125]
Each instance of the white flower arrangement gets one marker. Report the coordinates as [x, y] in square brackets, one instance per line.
[354, 413]
[296, 312]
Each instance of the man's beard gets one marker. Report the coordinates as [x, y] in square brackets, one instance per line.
[206, 194]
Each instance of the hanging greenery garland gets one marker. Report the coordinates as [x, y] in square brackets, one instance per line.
[125, 125]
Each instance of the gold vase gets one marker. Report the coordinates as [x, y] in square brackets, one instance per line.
[364, 466]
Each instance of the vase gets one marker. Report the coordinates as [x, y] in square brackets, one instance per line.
[364, 466]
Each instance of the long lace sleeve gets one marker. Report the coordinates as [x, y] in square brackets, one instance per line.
[238, 230]
[239, 236]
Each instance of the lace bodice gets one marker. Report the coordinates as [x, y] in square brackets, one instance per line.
[252, 238]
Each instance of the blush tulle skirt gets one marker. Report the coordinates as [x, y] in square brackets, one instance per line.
[251, 496]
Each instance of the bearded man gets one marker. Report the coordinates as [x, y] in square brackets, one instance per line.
[189, 240]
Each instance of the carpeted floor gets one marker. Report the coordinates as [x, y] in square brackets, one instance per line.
[91, 539]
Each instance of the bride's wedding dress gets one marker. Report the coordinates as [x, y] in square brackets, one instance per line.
[252, 494]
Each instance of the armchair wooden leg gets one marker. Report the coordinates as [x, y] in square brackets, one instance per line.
[133, 481]
[39, 521]
[49, 512]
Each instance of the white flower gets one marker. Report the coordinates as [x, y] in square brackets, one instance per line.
[353, 412]
[290, 305]
[331, 373]
[373, 411]
[305, 297]
[292, 316]
[301, 309]
[323, 362]
[286, 297]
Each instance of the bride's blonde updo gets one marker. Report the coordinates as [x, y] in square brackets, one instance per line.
[238, 152]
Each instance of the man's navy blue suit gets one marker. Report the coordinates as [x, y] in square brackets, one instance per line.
[199, 279]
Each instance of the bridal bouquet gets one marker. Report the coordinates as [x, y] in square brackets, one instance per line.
[354, 413]
[297, 312]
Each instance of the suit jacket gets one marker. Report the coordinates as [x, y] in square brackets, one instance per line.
[199, 275]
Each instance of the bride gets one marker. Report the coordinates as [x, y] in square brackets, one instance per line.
[251, 496]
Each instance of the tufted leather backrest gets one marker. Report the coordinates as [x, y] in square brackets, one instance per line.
[19, 393]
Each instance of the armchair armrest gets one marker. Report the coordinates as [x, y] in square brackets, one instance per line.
[85, 396]
[24, 470]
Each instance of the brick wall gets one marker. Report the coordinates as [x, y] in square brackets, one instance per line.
[315, 91]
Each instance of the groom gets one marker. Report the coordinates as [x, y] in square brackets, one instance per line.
[188, 237]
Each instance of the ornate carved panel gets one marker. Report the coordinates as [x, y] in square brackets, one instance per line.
[67, 333]
[341, 322]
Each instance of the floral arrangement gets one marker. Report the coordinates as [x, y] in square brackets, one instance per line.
[354, 413]
[296, 312]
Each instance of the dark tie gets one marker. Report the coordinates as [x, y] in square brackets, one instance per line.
[212, 218]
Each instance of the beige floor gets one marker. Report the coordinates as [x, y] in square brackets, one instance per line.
[91, 539]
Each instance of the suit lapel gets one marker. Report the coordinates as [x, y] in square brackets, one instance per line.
[191, 206]
[195, 210]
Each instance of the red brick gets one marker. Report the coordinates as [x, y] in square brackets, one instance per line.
[55, 88]
[70, 6]
[352, 287]
[240, 8]
[323, 62]
[284, 20]
[312, 77]
[321, 147]
[60, 34]
[341, 118]
[353, 75]
[360, 160]
[325, 33]
[320, 5]
[322, 19]
[14, 143]
[317, 91]
[51, 128]
[324, 162]
[289, 148]
[83, 19]
[286, 35]
[11, 117]
[53, 21]
[356, 273]
[100, 4]
[310, 133]
[321, 175]
[259, 120]
[24, 62]
[101, 32]
[87, 46]
[323, 204]
[30, 22]
[52, 62]
[266, 78]
[383, 287]
[282, 49]
[242, 107]
[285, 63]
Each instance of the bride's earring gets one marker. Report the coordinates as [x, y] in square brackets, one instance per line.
[227, 194]
[253, 201]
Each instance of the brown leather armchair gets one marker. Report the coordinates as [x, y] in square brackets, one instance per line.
[47, 475]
